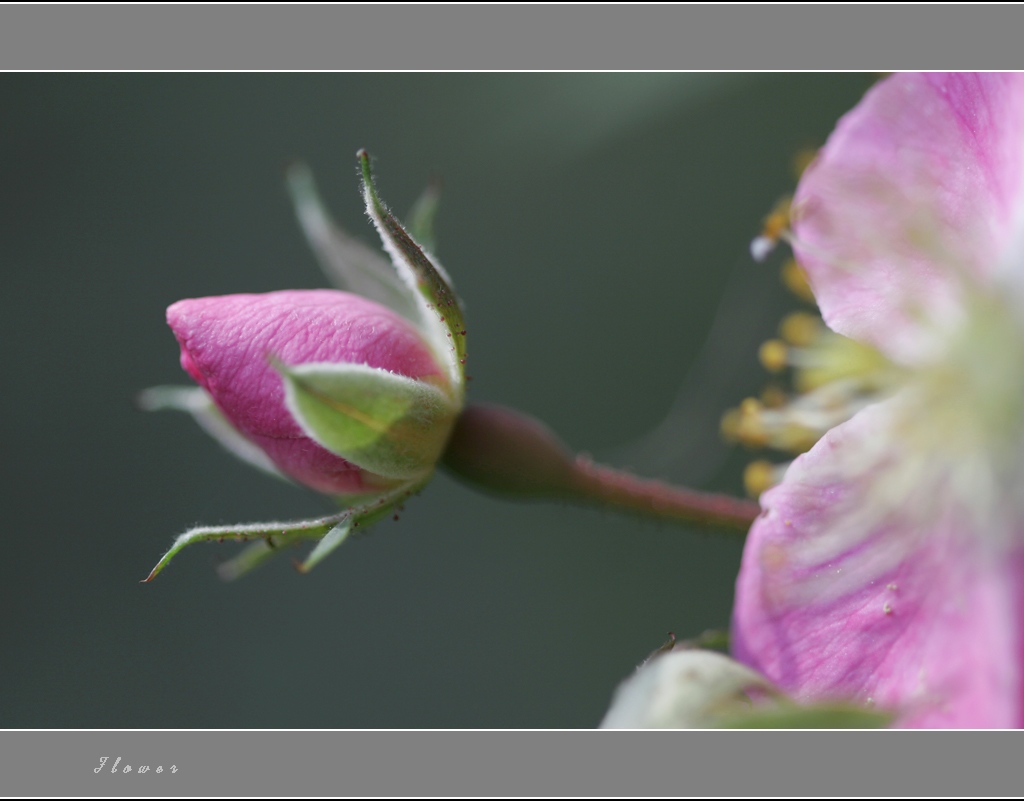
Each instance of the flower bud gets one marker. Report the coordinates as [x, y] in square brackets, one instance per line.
[686, 688]
[353, 392]
[682, 689]
[227, 344]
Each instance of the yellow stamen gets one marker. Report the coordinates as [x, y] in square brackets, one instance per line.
[758, 476]
[795, 279]
[773, 396]
[749, 424]
[775, 226]
[773, 355]
[802, 160]
[786, 425]
[832, 357]
[794, 438]
[761, 475]
[730, 425]
[777, 221]
[750, 406]
[800, 328]
[757, 427]
[834, 377]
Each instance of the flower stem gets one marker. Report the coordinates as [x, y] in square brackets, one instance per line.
[616, 489]
[504, 451]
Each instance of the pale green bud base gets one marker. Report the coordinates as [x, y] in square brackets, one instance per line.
[683, 687]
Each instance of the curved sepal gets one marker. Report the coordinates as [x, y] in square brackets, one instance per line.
[422, 214]
[197, 402]
[348, 263]
[385, 423]
[273, 534]
[439, 309]
[329, 532]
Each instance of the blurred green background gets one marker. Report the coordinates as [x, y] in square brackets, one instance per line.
[597, 227]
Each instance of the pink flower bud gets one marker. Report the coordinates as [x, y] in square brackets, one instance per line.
[225, 344]
[353, 395]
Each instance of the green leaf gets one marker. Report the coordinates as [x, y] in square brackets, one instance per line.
[348, 263]
[196, 402]
[440, 310]
[385, 423]
[818, 716]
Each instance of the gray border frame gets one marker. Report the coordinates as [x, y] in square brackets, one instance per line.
[509, 37]
[512, 763]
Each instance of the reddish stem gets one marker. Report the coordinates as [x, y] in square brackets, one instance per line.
[607, 487]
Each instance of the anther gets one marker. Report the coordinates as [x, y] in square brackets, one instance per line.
[773, 355]
[802, 159]
[775, 226]
[750, 406]
[773, 397]
[836, 357]
[730, 425]
[750, 429]
[800, 328]
[795, 279]
[794, 438]
[760, 476]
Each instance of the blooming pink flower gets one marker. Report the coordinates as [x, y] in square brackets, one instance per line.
[225, 342]
[888, 566]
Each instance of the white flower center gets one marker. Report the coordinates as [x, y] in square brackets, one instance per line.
[951, 438]
[960, 422]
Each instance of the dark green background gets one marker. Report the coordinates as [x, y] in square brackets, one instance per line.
[595, 225]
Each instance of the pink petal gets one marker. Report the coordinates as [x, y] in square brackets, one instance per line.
[914, 614]
[224, 346]
[920, 185]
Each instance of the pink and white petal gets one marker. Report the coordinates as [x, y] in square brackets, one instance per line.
[920, 187]
[225, 342]
[840, 600]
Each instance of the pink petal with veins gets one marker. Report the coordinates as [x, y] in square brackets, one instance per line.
[225, 342]
[919, 187]
[902, 609]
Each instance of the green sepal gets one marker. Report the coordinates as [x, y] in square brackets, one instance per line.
[248, 559]
[815, 716]
[440, 310]
[259, 552]
[387, 424]
[422, 215]
[332, 539]
[348, 263]
[197, 402]
[330, 532]
[273, 534]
